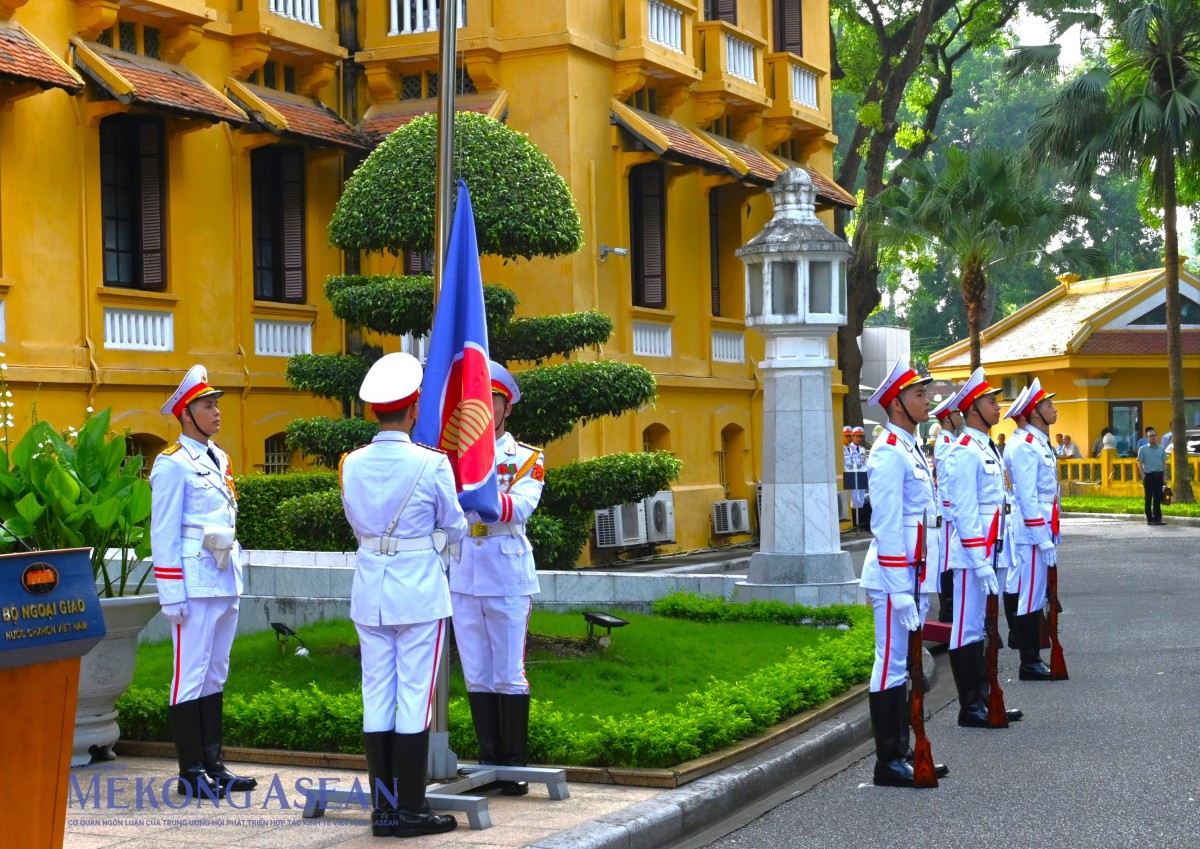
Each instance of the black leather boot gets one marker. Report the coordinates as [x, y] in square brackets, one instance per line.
[1032, 667]
[972, 711]
[946, 596]
[485, 715]
[377, 746]
[1010, 618]
[194, 780]
[211, 711]
[889, 722]
[985, 684]
[514, 724]
[410, 762]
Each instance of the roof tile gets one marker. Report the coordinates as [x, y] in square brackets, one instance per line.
[1137, 343]
[384, 119]
[309, 118]
[23, 58]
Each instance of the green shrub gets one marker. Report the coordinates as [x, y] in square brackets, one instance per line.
[326, 440]
[556, 398]
[541, 337]
[335, 376]
[259, 498]
[586, 485]
[400, 305]
[316, 522]
[558, 540]
[522, 207]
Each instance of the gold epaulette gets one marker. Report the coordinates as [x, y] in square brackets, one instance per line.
[171, 449]
[429, 447]
[530, 447]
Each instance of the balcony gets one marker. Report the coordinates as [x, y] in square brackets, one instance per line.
[731, 64]
[800, 96]
[406, 40]
[299, 32]
[406, 17]
[655, 44]
[304, 11]
[651, 339]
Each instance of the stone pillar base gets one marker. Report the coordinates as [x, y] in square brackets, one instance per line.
[811, 595]
[816, 580]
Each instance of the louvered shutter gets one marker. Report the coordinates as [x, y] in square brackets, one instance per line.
[150, 167]
[714, 250]
[788, 32]
[292, 178]
[648, 199]
[727, 11]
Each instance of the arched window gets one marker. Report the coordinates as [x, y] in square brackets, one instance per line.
[656, 437]
[144, 445]
[277, 459]
[731, 461]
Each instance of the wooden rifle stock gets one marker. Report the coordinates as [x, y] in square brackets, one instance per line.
[924, 774]
[1058, 663]
[997, 714]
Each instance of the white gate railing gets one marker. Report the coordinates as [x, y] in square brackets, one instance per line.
[305, 11]
[413, 16]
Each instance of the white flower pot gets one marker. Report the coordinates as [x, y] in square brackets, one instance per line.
[105, 673]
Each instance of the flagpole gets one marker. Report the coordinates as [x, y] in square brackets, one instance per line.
[443, 762]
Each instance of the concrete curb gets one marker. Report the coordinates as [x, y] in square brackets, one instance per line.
[1186, 521]
[675, 814]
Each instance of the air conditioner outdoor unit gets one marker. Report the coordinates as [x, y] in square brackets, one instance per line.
[660, 517]
[621, 525]
[731, 517]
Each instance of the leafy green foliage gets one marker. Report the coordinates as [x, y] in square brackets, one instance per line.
[541, 337]
[259, 499]
[1133, 506]
[319, 521]
[77, 491]
[523, 208]
[555, 398]
[326, 439]
[594, 484]
[400, 305]
[557, 537]
[333, 376]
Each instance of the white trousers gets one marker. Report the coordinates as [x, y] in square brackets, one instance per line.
[969, 600]
[891, 641]
[490, 633]
[399, 674]
[1030, 579]
[202, 644]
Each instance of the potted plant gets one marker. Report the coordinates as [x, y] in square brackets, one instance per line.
[78, 489]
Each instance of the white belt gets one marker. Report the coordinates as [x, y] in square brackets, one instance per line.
[498, 529]
[1051, 501]
[934, 521]
[391, 545]
[1003, 507]
[192, 532]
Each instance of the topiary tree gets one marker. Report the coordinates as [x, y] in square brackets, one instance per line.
[523, 209]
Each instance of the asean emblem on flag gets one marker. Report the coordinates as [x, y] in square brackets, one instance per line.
[467, 427]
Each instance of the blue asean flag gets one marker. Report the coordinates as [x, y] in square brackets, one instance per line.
[456, 393]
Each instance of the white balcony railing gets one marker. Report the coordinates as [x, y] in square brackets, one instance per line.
[728, 347]
[417, 346]
[739, 56]
[139, 330]
[651, 340]
[666, 25]
[804, 87]
[304, 11]
[412, 16]
[274, 338]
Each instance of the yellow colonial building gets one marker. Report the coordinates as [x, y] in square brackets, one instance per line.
[1101, 345]
[167, 169]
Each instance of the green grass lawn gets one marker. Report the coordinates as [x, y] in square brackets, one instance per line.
[652, 664]
[1133, 505]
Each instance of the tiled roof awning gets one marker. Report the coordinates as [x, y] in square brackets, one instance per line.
[670, 139]
[1133, 343]
[827, 189]
[151, 84]
[25, 59]
[286, 114]
[383, 119]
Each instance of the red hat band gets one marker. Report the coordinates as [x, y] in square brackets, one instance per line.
[1029, 407]
[499, 388]
[190, 396]
[396, 406]
[902, 383]
[974, 395]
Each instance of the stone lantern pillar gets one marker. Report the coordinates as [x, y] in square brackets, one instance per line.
[796, 297]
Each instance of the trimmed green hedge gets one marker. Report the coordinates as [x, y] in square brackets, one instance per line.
[541, 337]
[335, 376]
[326, 440]
[722, 714]
[259, 499]
[594, 484]
[319, 521]
[554, 399]
[399, 305]
[558, 540]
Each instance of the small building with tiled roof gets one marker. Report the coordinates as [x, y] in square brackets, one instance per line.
[1101, 345]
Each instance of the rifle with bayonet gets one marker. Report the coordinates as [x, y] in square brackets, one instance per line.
[1058, 663]
[924, 774]
[997, 714]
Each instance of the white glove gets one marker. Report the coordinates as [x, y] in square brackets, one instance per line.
[905, 608]
[1046, 549]
[175, 613]
[987, 580]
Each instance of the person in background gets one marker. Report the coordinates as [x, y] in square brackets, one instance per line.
[1070, 451]
[1098, 445]
[1143, 441]
[1151, 460]
[1058, 444]
[1000, 444]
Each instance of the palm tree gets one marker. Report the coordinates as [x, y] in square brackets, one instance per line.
[1136, 110]
[979, 209]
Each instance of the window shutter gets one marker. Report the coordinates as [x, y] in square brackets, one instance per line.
[788, 32]
[714, 250]
[648, 201]
[292, 177]
[727, 11]
[150, 150]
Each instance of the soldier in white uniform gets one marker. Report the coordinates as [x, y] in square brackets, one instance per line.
[492, 584]
[198, 572]
[901, 487]
[950, 420]
[972, 478]
[854, 459]
[1009, 582]
[1034, 471]
[400, 500]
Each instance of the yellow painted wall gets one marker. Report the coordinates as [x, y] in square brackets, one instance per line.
[51, 254]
